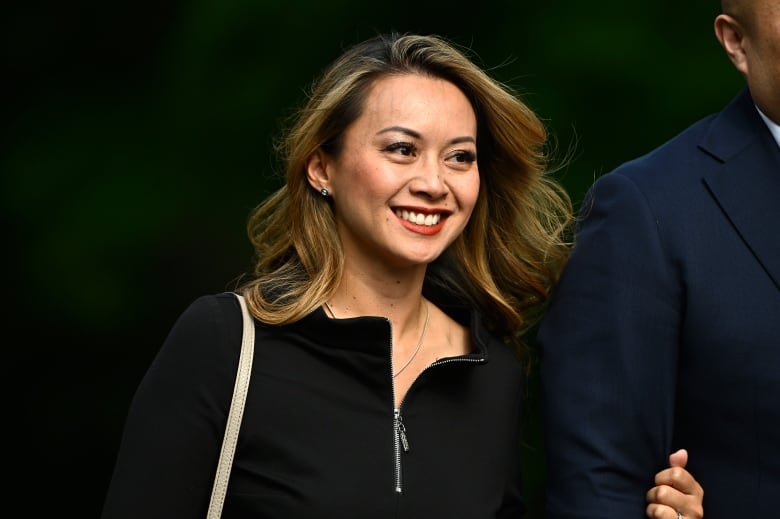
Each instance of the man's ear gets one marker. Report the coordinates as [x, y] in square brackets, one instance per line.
[317, 171]
[730, 34]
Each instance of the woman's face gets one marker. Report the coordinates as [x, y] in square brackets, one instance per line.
[406, 180]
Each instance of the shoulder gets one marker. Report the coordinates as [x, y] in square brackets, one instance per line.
[666, 176]
[210, 326]
[211, 312]
[670, 157]
[198, 356]
[212, 307]
[699, 147]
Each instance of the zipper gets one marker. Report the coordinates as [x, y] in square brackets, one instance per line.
[477, 360]
[400, 438]
[397, 448]
[396, 422]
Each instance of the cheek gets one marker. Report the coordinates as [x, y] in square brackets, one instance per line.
[470, 193]
[775, 55]
[353, 171]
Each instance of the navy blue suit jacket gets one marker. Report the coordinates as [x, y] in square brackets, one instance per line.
[664, 331]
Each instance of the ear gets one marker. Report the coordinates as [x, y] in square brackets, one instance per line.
[731, 36]
[317, 170]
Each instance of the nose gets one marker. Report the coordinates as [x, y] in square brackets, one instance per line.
[429, 180]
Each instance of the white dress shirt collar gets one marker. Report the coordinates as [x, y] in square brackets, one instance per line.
[773, 126]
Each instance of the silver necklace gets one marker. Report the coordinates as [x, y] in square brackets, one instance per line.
[419, 342]
[330, 310]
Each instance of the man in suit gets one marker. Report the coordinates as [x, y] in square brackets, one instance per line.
[664, 331]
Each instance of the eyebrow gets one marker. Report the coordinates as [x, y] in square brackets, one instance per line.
[417, 135]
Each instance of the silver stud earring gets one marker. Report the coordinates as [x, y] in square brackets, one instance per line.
[324, 192]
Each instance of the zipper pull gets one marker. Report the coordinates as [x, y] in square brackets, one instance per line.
[402, 434]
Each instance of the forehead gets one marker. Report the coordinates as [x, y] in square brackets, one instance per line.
[416, 97]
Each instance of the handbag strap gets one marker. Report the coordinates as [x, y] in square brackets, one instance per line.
[235, 414]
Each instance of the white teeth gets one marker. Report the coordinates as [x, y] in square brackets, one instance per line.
[418, 218]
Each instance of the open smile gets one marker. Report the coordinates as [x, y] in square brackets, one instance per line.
[420, 218]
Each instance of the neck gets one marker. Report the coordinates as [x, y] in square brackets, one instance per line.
[397, 296]
[402, 313]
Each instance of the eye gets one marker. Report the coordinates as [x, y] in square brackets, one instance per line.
[462, 160]
[402, 148]
[464, 156]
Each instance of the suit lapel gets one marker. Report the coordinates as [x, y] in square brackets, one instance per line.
[747, 185]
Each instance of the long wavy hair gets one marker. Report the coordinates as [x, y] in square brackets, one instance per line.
[513, 248]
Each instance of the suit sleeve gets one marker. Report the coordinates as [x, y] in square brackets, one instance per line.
[609, 359]
[173, 432]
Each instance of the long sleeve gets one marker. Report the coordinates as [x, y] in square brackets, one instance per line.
[173, 432]
[609, 347]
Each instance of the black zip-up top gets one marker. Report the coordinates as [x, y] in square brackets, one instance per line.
[320, 437]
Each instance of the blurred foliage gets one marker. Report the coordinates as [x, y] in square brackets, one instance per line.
[137, 138]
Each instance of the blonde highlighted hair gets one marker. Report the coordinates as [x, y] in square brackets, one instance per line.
[512, 250]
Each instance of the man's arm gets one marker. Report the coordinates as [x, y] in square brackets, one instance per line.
[608, 359]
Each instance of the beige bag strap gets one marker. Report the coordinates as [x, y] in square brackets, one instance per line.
[234, 416]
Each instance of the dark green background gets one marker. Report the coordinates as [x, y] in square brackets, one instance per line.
[136, 139]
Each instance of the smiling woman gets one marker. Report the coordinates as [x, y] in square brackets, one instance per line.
[403, 188]
[405, 182]
[417, 236]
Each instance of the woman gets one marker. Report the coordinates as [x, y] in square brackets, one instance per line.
[415, 239]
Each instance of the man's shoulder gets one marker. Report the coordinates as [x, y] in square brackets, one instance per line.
[672, 153]
[698, 144]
